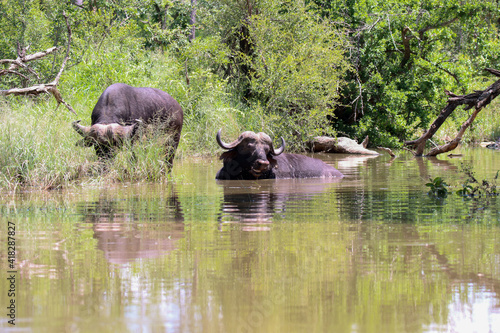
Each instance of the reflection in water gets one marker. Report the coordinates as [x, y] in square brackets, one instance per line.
[443, 165]
[259, 202]
[372, 253]
[393, 190]
[353, 162]
[122, 243]
[130, 229]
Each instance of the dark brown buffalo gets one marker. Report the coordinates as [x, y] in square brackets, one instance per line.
[252, 156]
[119, 112]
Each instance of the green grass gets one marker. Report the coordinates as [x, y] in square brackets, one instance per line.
[37, 142]
[37, 148]
[38, 151]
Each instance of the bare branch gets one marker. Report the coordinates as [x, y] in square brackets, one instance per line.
[33, 90]
[388, 150]
[6, 61]
[15, 64]
[392, 37]
[50, 87]
[20, 61]
[493, 71]
[39, 55]
[8, 71]
[58, 97]
[406, 44]
[66, 58]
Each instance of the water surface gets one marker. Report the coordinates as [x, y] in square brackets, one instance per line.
[369, 253]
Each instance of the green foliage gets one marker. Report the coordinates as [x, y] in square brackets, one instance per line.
[404, 54]
[208, 103]
[470, 188]
[35, 152]
[438, 188]
[162, 23]
[297, 69]
[24, 24]
[292, 69]
[107, 48]
[486, 127]
[286, 64]
[145, 160]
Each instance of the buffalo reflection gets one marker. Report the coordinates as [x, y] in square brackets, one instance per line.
[258, 202]
[123, 242]
[130, 229]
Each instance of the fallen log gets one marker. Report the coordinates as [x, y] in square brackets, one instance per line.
[339, 145]
[493, 145]
[388, 150]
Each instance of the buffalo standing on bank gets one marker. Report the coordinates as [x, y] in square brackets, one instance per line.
[119, 112]
[252, 156]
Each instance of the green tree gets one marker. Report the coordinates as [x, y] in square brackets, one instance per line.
[27, 28]
[405, 53]
[297, 69]
[163, 23]
[286, 63]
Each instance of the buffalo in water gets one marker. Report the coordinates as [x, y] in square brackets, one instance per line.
[252, 156]
[119, 112]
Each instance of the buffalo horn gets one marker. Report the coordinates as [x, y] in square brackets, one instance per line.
[227, 145]
[280, 149]
[82, 130]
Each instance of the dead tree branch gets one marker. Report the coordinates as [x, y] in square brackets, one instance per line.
[21, 62]
[477, 100]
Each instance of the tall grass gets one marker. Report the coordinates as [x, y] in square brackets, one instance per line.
[38, 150]
[144, 160]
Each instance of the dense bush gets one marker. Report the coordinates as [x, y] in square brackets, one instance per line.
[285, 63]
[405, 54]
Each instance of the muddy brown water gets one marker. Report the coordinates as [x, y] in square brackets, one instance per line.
[372, 252]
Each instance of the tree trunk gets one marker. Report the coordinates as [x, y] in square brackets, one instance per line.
[192, 20]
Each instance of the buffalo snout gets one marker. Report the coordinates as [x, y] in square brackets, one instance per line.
[261, 165]
[259, 168]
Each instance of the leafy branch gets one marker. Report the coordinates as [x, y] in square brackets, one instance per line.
[472, 188]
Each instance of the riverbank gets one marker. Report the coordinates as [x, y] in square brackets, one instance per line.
[38, 145]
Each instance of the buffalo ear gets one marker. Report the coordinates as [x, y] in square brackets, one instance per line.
[272, 161]
[228, 155]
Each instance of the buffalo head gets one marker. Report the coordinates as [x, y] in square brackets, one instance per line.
[249, 157]
[104, 136]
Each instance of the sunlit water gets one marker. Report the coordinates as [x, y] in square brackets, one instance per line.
[370, 253]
